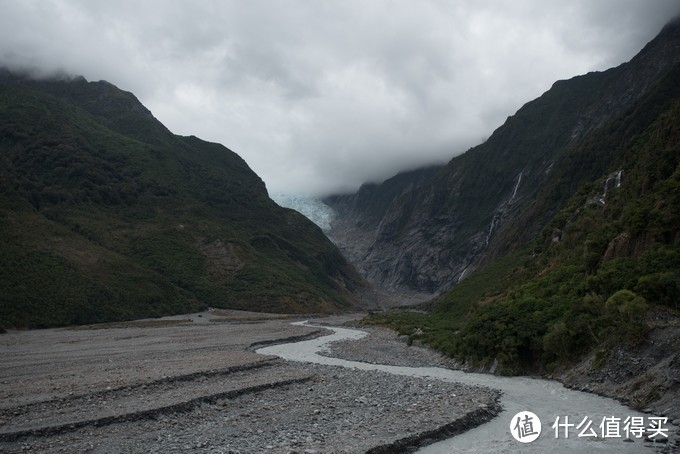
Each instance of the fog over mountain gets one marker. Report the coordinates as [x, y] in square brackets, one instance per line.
[319, 97]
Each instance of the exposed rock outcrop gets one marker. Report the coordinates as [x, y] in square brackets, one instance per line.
[499, 195]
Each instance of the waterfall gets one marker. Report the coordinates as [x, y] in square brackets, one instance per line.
[514, 193]
[494, 221]
[612, 181]
[612, 177]
[462, 275]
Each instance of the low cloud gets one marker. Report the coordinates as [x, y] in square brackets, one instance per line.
[322, 96]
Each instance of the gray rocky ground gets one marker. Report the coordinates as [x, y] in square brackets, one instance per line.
[195, 383]
[645, 376]
[384, 346]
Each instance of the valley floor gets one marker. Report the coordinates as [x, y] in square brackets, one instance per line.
[195, 382]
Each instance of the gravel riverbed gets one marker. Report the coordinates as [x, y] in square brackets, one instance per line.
[384, 346]
[195, 384]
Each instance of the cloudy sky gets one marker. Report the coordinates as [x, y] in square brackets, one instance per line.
[322, 95]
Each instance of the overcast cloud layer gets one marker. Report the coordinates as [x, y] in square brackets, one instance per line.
[321, 96]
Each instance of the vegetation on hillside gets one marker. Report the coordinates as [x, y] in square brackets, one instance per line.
[498, 196]
[608, 258]
[105, 215]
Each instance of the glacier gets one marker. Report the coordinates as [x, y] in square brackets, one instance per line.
[310, 207]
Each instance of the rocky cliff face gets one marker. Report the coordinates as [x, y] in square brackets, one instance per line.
[358, 220]
[429, 232]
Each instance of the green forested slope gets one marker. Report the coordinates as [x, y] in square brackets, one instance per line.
[106, 215]
[604, 262]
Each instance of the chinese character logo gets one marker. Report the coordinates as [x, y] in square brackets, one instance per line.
[525, 427]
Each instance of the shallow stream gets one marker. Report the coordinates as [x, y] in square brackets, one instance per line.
[546, 399]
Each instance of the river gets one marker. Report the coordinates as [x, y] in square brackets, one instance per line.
[546, 399]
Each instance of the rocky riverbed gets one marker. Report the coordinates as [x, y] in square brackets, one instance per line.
[384, 346]
[194, 383]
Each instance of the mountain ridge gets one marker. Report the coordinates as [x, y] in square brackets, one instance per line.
[580, 282]
[106, 215]
[436, 234]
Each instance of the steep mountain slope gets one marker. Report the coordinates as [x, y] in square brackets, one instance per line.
[582, 281]
[486, 202]
[358, 218]
[598, 288]
[106, 215]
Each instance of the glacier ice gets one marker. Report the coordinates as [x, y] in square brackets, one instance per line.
[312, 208]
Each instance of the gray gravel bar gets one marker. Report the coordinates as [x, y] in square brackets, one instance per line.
[194, 383]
